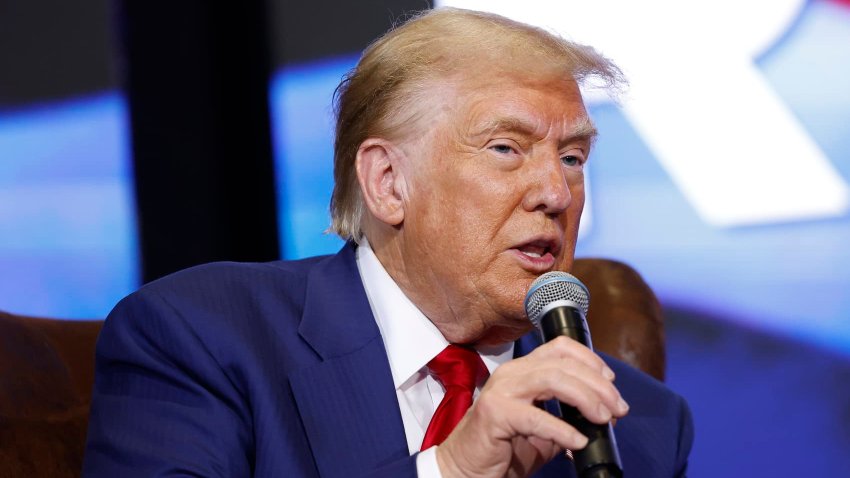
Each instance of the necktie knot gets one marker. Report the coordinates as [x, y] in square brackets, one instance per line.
[458, 366]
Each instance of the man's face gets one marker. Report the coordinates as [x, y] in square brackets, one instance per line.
[494, 201]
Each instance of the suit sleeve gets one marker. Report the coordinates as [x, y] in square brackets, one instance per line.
[686, 439]
[162, 405]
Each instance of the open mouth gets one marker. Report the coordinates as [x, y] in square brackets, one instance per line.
[539, 248]
[534, 251]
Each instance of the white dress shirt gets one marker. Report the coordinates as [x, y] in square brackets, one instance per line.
[411, 341]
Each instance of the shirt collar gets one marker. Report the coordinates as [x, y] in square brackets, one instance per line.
[411, 340]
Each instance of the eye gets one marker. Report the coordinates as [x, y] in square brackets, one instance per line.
[572, 160]
[503, 148]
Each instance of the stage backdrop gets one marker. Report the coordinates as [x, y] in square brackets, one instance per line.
[68, 244]
[721, 175]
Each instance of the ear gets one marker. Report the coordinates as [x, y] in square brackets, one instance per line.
[381, 179]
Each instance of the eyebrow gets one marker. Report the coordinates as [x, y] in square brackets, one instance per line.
[581, 129]
[584, 129]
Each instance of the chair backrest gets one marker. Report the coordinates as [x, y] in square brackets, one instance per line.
[46, 375]
[624, 317]
[47, 369]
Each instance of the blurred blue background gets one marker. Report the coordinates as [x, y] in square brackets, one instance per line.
[758, 316]
[67, 221]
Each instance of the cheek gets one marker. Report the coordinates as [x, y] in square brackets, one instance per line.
[490, 197]
[571, 221]
[471, 206]
[575, 183]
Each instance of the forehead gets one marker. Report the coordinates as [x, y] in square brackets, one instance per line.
[510, 102]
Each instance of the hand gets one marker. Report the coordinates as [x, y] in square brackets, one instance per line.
[505, 434]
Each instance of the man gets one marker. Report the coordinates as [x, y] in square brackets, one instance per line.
[461, 142]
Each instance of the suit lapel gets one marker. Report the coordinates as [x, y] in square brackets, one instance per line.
[347, 401]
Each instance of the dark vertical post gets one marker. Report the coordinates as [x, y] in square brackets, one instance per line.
[197, 77]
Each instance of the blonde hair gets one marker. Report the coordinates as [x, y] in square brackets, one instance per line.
[379, 97]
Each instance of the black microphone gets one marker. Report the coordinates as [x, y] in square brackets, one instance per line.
[557, 304]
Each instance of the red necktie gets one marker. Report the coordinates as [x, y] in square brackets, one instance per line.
[459, 369]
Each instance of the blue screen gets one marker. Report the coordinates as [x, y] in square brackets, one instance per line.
[67, 216]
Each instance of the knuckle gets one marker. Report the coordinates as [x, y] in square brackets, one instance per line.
[612, 394]
[536, 423]
[545, 379]
[562, 342]
[487, 404]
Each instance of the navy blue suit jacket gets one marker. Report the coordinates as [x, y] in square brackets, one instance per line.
[279, 370]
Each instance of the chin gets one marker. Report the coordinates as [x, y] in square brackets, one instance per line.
[503, 334]
[495, 329]
[511, 324]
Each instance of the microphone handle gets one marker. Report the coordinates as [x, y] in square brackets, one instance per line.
[600, 458]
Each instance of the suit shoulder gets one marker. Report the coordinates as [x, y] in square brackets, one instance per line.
[645, 393]
[654, 411]
[218, 275]
[221, 296]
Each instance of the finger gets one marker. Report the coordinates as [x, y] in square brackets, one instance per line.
[571, 382]
[547, 382]
[604, 388]
[564, 347]
[523, 419]
[556, 383]
[548, 449]
[530, 454]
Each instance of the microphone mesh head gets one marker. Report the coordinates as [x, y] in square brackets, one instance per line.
[553, 286]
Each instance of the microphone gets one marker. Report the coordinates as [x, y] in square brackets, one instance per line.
[557, 304]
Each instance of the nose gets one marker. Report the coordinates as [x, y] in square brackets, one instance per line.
[548, 190]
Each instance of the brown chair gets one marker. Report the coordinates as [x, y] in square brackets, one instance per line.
[46, 375]
[47, 369]
[624, 317]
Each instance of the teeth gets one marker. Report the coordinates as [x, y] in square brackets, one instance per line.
[531, 254]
